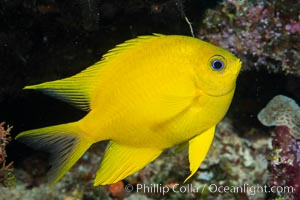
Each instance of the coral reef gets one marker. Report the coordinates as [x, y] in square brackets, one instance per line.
[284, 164]
[7, 178]
[76, 185]
[235, 161]
[264, 34]
[282, 111]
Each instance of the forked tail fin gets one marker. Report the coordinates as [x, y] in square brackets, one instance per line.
[65, 142]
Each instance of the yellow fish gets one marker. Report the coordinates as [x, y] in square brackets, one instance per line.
[145, 95]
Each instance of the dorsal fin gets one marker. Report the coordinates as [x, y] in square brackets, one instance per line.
[78, 89]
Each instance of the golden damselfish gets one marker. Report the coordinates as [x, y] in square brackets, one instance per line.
[145, 95]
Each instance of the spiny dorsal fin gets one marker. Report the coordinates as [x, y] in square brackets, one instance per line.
[78, 89]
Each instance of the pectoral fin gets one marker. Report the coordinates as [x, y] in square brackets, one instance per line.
[121, 161]
[198, 148]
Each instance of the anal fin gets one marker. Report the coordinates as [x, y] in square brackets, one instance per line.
[121, 161]
[198, 148]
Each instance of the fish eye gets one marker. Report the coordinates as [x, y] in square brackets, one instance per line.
[217, 63]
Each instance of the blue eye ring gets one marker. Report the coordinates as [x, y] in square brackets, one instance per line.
[217, 63]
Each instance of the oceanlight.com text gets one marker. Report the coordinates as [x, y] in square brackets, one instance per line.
[212, 188]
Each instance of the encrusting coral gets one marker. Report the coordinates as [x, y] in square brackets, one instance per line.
[264, 34]
[6, 171]
[282, 111]
[284, 164]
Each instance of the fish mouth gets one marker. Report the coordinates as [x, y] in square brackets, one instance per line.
[221, 93]
[237, 67]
